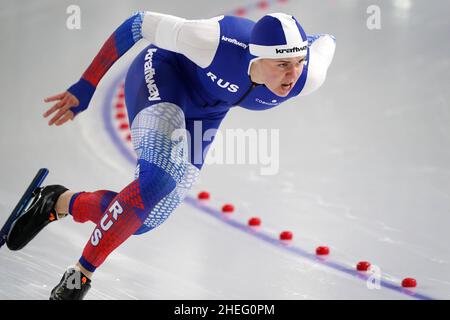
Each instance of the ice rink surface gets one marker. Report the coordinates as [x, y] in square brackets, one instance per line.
[364, 162]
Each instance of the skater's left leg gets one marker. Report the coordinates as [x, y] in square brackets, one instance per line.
[161, 167]
[124, 216]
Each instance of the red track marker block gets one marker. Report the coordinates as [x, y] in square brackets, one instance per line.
[322, 251]
[363, 266]
[254, 222]
[204, 195]
[228, 208]
[286, 235]
[409, 283]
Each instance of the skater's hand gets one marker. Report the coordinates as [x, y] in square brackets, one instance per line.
[66, 100]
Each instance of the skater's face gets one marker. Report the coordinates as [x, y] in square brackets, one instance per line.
[279, 75]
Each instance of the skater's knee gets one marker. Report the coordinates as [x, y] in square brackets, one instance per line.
[170, 202]
[155, 183]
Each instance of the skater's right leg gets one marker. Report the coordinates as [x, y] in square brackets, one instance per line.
[87, 206]
[52, 203]
[62, 204]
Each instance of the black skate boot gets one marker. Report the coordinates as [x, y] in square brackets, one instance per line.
[73, 286]
[39, 214]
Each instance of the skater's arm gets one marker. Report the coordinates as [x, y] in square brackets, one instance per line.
[198, 40]
[77, 97]
[65, 101]
[321, 52]
[120, 41]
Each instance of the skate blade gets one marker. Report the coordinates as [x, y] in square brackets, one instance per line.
[23, 204]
